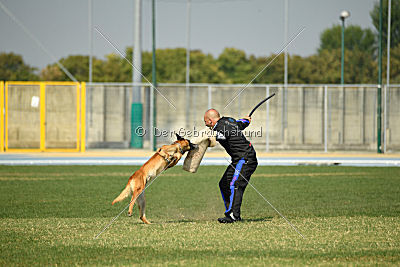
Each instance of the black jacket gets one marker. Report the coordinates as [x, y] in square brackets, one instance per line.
[230, 136]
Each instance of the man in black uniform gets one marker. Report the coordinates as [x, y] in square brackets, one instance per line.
[244, 161]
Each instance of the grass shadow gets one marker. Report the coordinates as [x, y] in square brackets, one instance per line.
[177, 221]
[259, 219]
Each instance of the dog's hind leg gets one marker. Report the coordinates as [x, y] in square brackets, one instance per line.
[135, 194]
[131, 205]
[141, 201]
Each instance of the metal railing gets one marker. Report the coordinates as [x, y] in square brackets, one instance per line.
[51, 116]
[299, 117]
[42, 116]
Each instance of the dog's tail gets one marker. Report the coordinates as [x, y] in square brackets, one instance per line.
[124, 194]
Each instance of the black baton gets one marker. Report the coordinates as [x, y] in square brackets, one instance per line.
[259, 104]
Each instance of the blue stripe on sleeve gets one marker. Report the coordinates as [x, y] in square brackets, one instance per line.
[243, 120]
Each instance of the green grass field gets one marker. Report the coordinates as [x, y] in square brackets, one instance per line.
[349, 215]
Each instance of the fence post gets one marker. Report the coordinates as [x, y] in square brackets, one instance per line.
[187, 106]
[1, 116]
[6, 117]
[42, 116]
[326, 118]
[343, 113]
[267, 122]
[384, 117]
[151, 126]
[83, 117]
[283, 115]
[209, 97]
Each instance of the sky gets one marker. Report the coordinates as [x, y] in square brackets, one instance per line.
[255, 26]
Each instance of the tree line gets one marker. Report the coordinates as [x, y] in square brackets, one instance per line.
[234, 65]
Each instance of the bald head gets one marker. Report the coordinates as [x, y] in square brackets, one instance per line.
[211, 117]
[212, 113]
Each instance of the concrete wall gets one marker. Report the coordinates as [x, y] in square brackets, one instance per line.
[295, 121]
[108, 116]
[61, 116]
[24, 116]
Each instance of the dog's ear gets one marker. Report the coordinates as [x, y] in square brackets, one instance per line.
[179, 137]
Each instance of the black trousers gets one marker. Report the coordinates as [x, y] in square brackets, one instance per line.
[234, 182]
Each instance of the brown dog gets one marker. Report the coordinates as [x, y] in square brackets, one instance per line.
[166, 157]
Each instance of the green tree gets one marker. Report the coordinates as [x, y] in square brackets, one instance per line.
[52, 73]
[171, 66]
[359, 61]
[299, 69]
[394, 65]
[395, 22]
[355, 38]
[272, 74]
[205, 69]
[325, 67]
[77, 65]
[13, 68]
[114, 69]
[362, 67]
[236, 65]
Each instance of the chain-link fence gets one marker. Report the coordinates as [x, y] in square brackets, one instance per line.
[299, 117]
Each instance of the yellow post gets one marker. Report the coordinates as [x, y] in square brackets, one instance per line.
[6, 119]
[78, 116]
[83, 117]
[1, 116]
[42, 116]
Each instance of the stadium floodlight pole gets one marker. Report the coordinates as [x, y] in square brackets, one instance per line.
[286, 38]
[136, 106]
[90, 26]
[187, 63]
[137, 49]
[153, 142]
[379, 109]
[387, 76]
[343, 15]
[285, 78]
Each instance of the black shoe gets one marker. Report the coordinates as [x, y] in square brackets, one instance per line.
[229, 219]
[235, 218]
[226, 220]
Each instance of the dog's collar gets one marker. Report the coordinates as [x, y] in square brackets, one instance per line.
[166, 158]
[180, 149]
